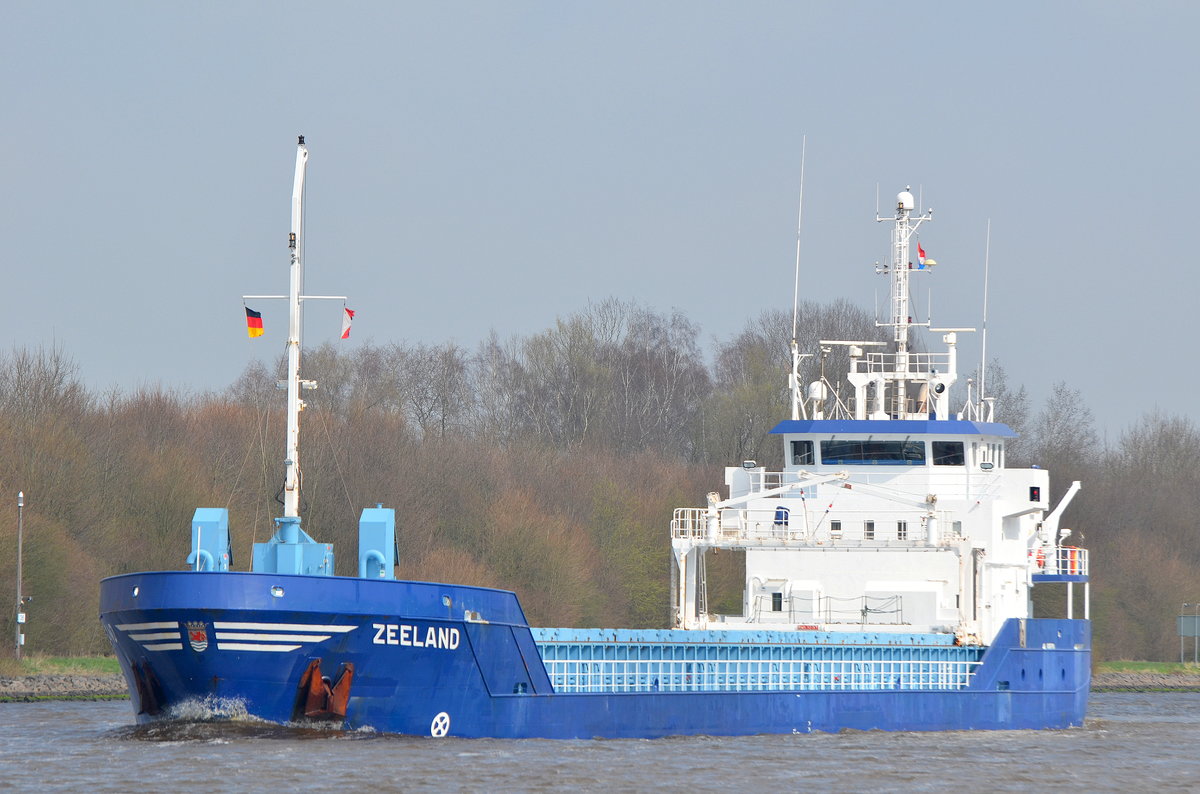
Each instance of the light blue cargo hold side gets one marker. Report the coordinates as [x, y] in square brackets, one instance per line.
[599, 660]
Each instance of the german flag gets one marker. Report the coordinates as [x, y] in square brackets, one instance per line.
[253, 323]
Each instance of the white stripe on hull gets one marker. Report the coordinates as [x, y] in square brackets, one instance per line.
[233, 635]
[250, 646]
[283, 627]
[171, 624]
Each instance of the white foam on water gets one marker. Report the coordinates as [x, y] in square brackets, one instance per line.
[319, 726]
[210, 709]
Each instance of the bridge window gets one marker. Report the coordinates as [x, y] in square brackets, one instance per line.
[776, 602]
[948, 453]
[901, 530]
[873, 453]
[802, 453]
[869, 530]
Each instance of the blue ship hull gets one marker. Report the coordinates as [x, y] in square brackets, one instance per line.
[438, 659]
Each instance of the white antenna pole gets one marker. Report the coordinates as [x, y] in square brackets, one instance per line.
[799, 220]
[291, 481]
[987, 252]
[794, 377]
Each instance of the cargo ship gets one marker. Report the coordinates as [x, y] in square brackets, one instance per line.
[889, 565]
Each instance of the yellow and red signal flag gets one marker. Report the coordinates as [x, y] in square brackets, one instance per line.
[253, 323]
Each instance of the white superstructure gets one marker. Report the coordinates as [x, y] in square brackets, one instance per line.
[890, 513]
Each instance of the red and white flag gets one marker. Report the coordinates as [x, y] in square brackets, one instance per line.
[920, 253]
[347, 317]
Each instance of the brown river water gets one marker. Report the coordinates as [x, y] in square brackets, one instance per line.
[1131, 742]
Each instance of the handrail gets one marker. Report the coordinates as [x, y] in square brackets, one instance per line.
[785, 522]
[1060, 561]
[916, 363]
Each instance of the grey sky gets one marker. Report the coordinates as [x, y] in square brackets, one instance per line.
[479, 166]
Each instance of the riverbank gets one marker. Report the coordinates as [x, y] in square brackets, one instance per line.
[1143, 681]
[62, 686]
[111, 686]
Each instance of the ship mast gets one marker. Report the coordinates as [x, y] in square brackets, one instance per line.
[291, 549]
[892, 374]
[291, 461]
[899, 270]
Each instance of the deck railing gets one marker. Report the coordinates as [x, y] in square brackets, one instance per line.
[918, 364]
[789, 524]
[1061, 560]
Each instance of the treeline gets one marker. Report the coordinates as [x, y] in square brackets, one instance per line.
[617, 377]
[548, 464]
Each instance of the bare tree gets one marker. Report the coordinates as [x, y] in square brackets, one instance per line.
[1064, 432]
[1011, 406]
[750, 385]
[438, 389]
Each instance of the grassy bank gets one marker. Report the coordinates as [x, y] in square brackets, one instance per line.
[37, 664]
[1161, 668]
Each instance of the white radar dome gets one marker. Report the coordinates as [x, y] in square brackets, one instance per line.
[905, 200]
